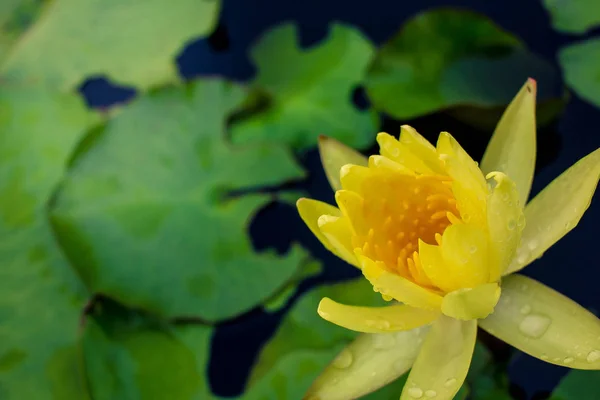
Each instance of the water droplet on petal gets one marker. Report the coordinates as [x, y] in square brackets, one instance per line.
[415, 392]
[568, 360]
[383, 341]
[593, 356]
[473, 249]
[450, 382]
[526, 309]
[382, 324]
[431, 394]
[343, 360]
[511, 224]
[544, 357]
[534, 325]
[532, 244]
[522, 257]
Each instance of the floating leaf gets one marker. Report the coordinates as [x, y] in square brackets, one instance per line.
[309, 91]
[445, 58]
[41, 298]
[146, 213]
[304, 343]
[580, 63]
[131, 356]
[132, 42]
[578, 385]
[573, 16]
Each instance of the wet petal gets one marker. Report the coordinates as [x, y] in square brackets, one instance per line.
[391, 148]
[338, 232]
[443, 362]
[465, 251]
[351, 204]
[467, 304]
[512, 147]
[545, 324]
[557, 209]
[310, 211]
[434, 267]
[352, 177]
[399, 288]
[398, 317]
[469, 185]
[334, 155]
[505, 224]
[374, 361]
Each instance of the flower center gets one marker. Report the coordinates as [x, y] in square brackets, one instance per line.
[397, 211]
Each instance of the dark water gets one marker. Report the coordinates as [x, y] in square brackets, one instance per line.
[570, 267]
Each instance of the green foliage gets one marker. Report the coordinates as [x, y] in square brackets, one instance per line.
[578, 385]
[309, 91]
[149, 202]
[129, 355]
[580, 63]
[40, 296]
[445, 58]
[573, 16]
[131, 41]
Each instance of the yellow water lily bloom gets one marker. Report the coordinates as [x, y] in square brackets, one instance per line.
[438, 235]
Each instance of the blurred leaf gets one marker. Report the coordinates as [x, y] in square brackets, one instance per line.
[40, 297]
[280, 299]
[304, 343]
[132, 356]
[580, 63]
[446, 58]
[132, 42]
[309, 90]
[15, 17]
[578, 385]
[573, 16]
[146, 213]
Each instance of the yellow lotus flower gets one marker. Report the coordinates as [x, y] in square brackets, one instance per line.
[430, 230]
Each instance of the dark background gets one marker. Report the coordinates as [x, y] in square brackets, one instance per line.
[569, 267]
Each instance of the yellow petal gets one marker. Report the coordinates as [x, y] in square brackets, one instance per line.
[384, 163]
[469, 185]
[310, 211]
[334, 155]
[512, 147]
[465, 252]
[545, 324]
[420, 147]
[351, 204]
[394, 150]
[352, 177]
[557, 209]
[398, 317]
[467, 304]
[399, 288]
[338, 232]
[505, 224]
[443, 362]
[434, 267]
[368, 363]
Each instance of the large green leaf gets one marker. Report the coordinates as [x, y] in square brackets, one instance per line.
[309, 91]
[133, 42]
[573, 16]
[41, 299]
[446, 58]
[304, 343]
[580, 63]
[146, 213]
[578, 385]
[132, 356]
[15, 17]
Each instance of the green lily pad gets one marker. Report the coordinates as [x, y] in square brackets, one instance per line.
[446, 58]
[580, 63]
[309, 91]
[573, 16]
[578, 385]
[132, 356]
[132, 42]
[41, 298]
[147, 213]
[304, 343]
